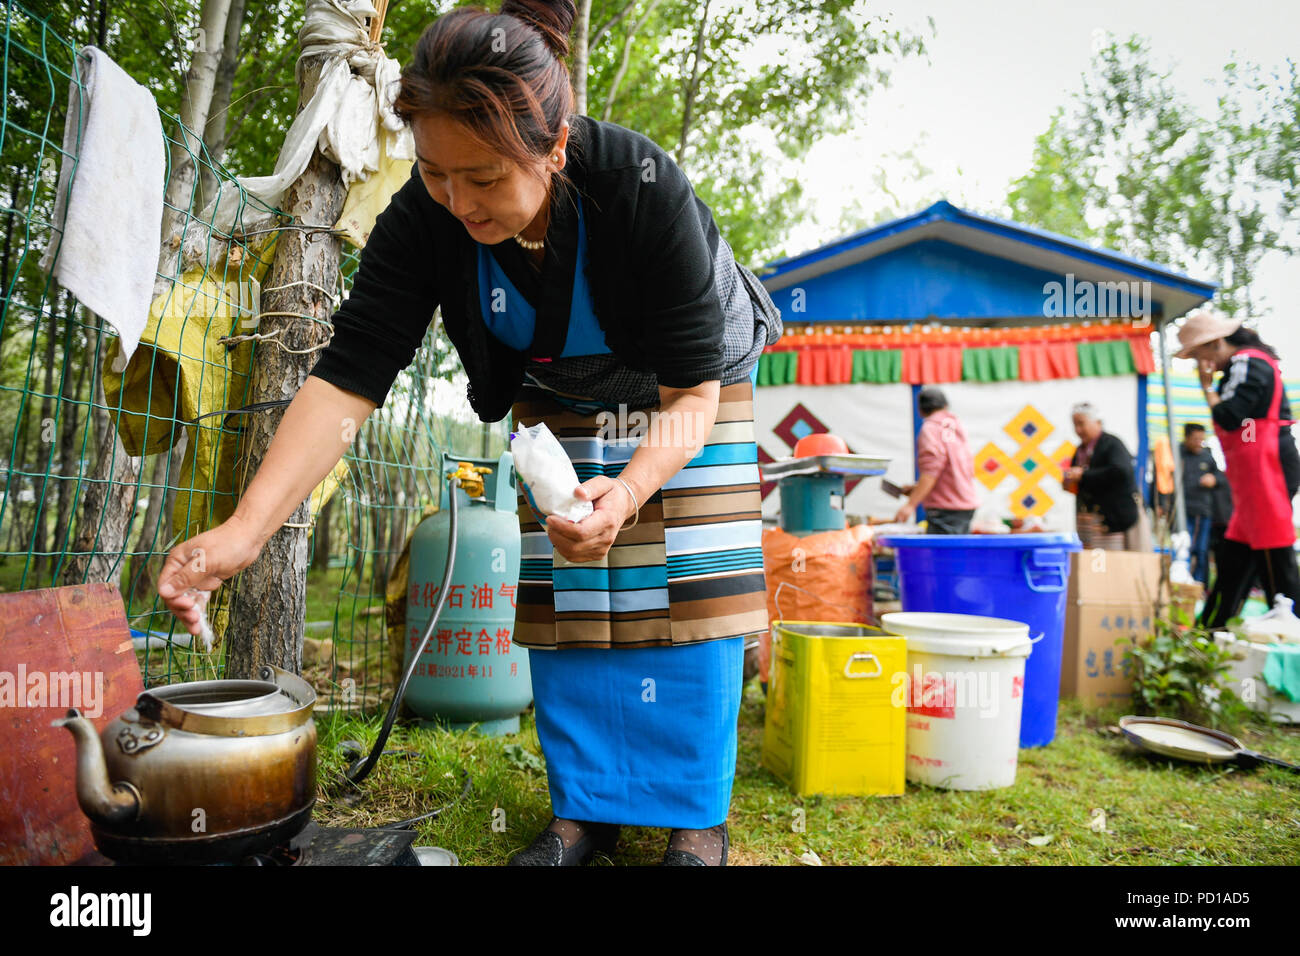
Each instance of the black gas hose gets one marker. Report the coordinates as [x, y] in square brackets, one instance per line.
[360, 768]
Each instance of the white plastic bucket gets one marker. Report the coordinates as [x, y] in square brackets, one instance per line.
[963, 692]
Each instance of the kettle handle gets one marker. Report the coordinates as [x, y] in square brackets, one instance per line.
[160, 711]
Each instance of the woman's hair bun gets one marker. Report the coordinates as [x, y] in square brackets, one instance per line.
[553, 19]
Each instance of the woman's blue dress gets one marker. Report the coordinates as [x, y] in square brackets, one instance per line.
[640, 736]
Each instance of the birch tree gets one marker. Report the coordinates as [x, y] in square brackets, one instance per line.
[187, 143]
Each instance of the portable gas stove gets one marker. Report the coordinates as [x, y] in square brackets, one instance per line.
[330, 846]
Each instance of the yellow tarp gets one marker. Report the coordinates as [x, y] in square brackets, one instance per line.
[369, 197]
[180, 373]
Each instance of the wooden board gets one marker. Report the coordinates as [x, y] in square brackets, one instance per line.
[80, 635]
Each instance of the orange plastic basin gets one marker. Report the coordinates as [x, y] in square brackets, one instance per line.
[820, 443]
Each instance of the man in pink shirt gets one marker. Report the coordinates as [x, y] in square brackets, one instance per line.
[946, 467]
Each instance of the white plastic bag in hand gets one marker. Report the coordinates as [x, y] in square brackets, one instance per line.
[544, 467]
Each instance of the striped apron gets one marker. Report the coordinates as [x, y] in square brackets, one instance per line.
[637, 658]
[690, 570]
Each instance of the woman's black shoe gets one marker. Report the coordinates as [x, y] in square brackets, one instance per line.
[547, 848]
[682, 858]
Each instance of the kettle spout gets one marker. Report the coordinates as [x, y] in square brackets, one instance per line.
[103, 802]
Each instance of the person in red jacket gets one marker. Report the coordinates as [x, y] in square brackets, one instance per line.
[1252, 422]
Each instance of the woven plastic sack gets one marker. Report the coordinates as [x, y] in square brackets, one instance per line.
[827, 577]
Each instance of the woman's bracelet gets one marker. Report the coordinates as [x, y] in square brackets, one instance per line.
[637, 516]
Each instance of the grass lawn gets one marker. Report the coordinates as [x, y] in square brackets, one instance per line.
[1157, 812]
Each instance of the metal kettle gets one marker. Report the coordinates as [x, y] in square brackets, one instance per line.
[201, 771]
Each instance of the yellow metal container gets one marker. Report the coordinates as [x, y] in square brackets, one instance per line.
[836, 709]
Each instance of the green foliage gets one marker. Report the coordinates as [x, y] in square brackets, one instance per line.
[522, 759]
[1181, 672]
[747, 127]
[748, 124]
[1131, 165]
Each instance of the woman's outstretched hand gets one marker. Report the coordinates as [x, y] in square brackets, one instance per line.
[201, 564]
[591, 538]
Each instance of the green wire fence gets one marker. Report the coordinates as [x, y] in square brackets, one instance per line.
[107, 465]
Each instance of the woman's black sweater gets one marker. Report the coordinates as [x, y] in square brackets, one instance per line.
[651, 245]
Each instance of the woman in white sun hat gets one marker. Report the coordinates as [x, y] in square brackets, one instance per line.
[1252, 420]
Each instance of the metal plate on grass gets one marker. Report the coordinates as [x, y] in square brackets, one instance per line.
[1176, 738]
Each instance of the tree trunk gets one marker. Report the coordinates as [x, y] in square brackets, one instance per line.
[196, 100]
[69, 453]
[400, 516]
[45, 458]
[15, 482]
[6, 261]
[581, 26]
[96, 553]
[270, 599]
[406, 498]
[139, 576]
[320, 557]
[370, 448]
[173, 485]
[262, 81]
[151, 546]
[356, 529]
[625, 60]
[379, 528]
[214, 133]
[101, 28]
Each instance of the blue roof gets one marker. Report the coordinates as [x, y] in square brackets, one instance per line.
[949, 263]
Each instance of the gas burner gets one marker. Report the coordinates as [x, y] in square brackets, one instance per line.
[334, 846]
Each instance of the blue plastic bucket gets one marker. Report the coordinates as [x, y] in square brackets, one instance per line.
[1022, 577]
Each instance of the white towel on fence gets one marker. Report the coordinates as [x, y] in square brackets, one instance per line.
[109, 206]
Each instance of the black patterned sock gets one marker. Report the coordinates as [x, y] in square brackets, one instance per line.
[706, 844]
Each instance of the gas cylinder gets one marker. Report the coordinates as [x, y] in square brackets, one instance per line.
[471, 672]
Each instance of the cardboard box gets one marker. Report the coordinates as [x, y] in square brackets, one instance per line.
[1112, 594]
